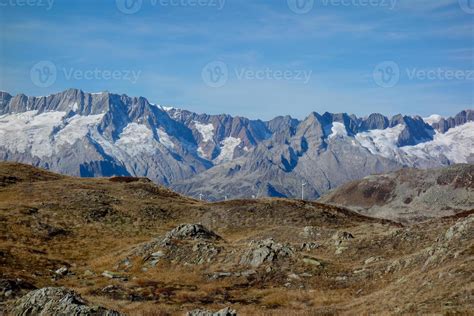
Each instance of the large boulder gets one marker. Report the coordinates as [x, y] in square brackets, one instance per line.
[56, 301]
[266, 251]
[190, 232]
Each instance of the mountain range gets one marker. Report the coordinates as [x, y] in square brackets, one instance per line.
[221, 156]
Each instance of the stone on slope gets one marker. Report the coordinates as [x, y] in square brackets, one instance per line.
[223, 312]
[192, 232]
[56, 301]
[266, 251]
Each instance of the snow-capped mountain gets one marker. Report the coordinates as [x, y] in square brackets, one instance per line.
[103, 134]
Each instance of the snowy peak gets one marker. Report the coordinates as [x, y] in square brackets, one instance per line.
[433, 119]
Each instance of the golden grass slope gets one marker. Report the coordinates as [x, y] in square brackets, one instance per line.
[48, 221]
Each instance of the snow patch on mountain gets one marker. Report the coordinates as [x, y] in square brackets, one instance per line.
[206, 131]
[75, 106]
[42, 134]
[338, 130]
[432, 119]
[165, 108]
[201, 153]
[77, 127]
[381, 142]
[456, 145]
[228, 146]
[176, 113]
[136, 139]
[165, 139]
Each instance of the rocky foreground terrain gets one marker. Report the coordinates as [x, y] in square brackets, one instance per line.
[122, 245]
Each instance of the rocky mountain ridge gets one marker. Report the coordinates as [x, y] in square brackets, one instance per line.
[104, 134]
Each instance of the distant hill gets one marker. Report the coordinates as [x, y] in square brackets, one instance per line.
[409, 194]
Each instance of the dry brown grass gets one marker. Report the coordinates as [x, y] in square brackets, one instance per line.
[49, 221]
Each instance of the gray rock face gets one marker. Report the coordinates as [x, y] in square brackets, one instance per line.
[374, 121]
[415, 131]
[56, 301]
[191, 231]
[266, 251]
[210, 131]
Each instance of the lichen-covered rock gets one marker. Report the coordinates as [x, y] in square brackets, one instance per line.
[56, 301]
[190, 231]
[442, 250]
[460, 229]
[223, 312]
[266, 251]
[310, 232]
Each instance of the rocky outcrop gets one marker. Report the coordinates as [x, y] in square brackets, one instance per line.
[266, 251]
[223, 312]
[56, 301]
[186, 244]
[190, 231]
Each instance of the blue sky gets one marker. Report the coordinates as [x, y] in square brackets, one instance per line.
[272, 60]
